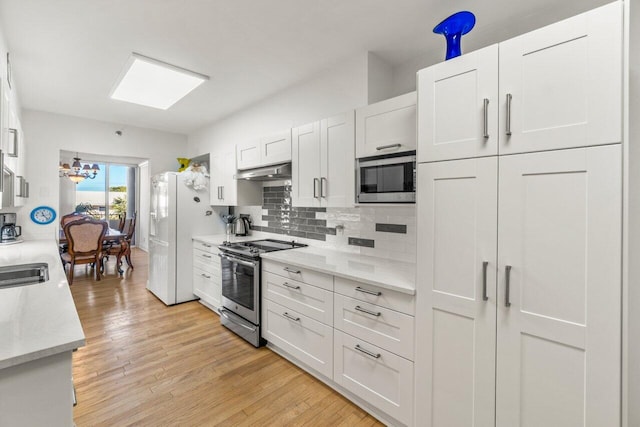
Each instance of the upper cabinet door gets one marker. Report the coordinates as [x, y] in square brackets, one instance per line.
[276, 148]
[458, 107]
[305, 166]
[248, 155]
[387, 126]
[561, 85]
[337, 162]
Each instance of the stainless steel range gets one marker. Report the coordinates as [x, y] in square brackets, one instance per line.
[240, 262]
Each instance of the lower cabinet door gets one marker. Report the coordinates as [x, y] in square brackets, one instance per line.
[207, 287]
[377, 376]
[304, 338]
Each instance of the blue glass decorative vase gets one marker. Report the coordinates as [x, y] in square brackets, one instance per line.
[453, 28]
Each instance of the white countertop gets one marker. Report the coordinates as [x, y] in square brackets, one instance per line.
[381, 272]
[37, 320]
[385, 273]
[217, 239]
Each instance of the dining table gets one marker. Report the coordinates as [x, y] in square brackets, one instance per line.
[112, 235]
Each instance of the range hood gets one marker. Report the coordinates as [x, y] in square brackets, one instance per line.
[267, 173]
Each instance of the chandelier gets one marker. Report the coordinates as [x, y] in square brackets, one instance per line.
[78, 172]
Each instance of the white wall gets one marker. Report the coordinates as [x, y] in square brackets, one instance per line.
[46, 134]
[334, 90]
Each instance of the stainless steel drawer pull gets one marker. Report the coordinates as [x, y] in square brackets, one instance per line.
[206, 245]
[290, 286]
[290, 317]
[507, 290]
[485, 264]
[367, 291]
[384, 147]
[323, 187]
[367, 352]
[315, 187]
[485, 124]
[205, 276]
[364, 310]
[508, 120]
[206, 256]
[289, 270]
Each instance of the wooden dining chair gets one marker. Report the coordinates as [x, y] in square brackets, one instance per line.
[123, 247]
[84, 237]
[64, 220]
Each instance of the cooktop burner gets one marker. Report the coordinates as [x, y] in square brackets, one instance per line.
[256, 247]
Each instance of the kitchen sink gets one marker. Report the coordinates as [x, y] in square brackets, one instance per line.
[23, 274]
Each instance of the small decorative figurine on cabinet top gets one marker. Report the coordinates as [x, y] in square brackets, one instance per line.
[453, 28]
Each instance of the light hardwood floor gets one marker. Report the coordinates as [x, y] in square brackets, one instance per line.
[151, 365]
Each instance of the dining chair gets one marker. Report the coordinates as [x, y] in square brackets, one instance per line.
[122, 248]
[84, 237]
[64, 220]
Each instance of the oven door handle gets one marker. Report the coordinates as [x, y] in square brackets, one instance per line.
[239, 261]
[223, 312]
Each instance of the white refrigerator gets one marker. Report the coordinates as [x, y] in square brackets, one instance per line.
[177, 213]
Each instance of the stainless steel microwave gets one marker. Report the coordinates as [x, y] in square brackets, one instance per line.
[386, 179]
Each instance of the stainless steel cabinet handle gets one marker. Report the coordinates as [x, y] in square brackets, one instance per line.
[323, 187]
[507, 277]
[485, 106]
[206, 256]
[367, 291]
[289, 270]
[26, 189]
[315, 188]
[364, 310]
[290, 317]
[219, 193]
[205, 276]
[384, 147]
[14, 137]
[508, 119]
[222, 192]
[290, 286]
[485, 264]
[20, 186]
[367, 352]
[206, 245]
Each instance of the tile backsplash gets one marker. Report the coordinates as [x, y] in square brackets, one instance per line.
[383, 231]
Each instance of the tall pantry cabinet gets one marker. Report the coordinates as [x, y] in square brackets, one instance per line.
[519, 243]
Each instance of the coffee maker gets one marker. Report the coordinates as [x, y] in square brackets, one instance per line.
[9, 231]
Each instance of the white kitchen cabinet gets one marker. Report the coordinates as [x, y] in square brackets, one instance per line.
[559, 307]
[387, 126]
[308, 340]
[388, 329]
[456, 315]
[553, 88]
[323, 165]
[458, 107]
[379, 377]
[207, 274]
[559, 238]
[225, 190]
[268, 150]
[312, 301]
[21, 190]
[565, 84]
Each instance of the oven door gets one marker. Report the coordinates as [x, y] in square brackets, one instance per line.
[387, 180]
[241, 286]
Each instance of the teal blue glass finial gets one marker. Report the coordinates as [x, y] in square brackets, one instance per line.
[453, 28]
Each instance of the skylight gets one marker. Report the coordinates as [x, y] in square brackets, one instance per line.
[147, 81]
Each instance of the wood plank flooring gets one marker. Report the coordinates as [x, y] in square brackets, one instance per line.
[150, 365]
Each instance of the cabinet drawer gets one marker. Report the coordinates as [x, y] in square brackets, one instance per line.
[309, 300]
[379, 377]
[385, 328]
[207, 286]
[321, 280]
[398, 301]
[304, 338]
[206, 247]
[206, 261]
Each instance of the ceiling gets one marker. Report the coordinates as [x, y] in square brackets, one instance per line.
[67, 54]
